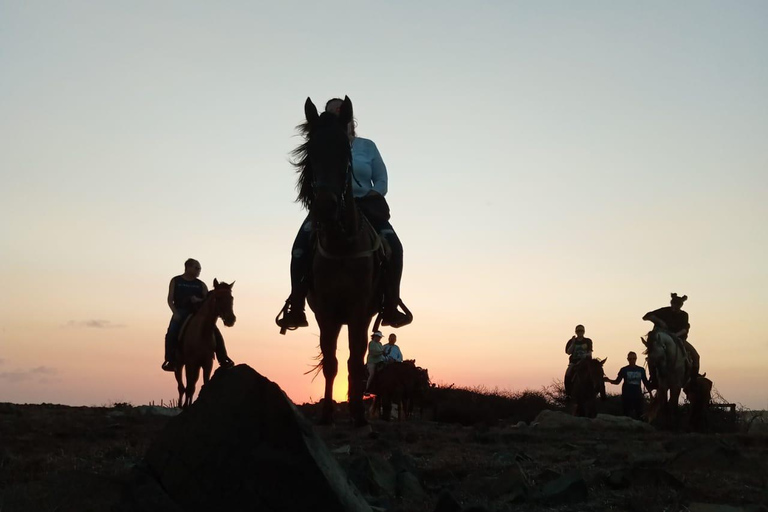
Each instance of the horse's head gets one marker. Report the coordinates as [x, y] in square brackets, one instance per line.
[656, 349]
[327, 158]
[597, 375]
[222, 292]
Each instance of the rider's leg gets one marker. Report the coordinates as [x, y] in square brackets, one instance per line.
[394, 273]
[300, 261]
[221, 349]
[171, 343]
[371, 373]
[567, 380]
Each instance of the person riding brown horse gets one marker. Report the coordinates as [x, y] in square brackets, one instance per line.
[346, 267]
[578, 349]
[368, 187]
[198, 340]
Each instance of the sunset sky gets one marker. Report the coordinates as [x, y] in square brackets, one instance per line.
[550, 163]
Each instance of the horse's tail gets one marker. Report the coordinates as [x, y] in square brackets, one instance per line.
[316, 369]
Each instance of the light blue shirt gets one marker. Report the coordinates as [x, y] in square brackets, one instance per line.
[392, 353]
[369, 168]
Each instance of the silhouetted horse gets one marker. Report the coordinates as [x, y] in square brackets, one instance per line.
[588, 382]
[197, 342]
[404, 384]
[671, 367]
[344, 288]
[699, 394]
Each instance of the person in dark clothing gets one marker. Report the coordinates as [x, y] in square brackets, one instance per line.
[578, 348]
[631, 392]
[185, 291]
[369, 188]
[674, 321]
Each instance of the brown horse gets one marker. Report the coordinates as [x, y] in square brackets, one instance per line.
[671, 368]
[588, 382]
[346, 266]
[699, 394]
[404, 384]
[197, 342]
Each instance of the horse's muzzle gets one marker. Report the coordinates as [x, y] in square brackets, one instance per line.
[230, 320]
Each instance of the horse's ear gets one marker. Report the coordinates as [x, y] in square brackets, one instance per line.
[345, 112]
[215, 283]
[233, 284]
[603, 361]
[310, 112]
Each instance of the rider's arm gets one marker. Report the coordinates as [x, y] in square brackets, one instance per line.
[378, 171]
[375, 349]
[651, 317]
[171, 286]
[569, 346]
[645, 381]
[195, 299]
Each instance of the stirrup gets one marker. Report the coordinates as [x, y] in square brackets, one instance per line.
[394, 318]
[289, 314]
[168, 366]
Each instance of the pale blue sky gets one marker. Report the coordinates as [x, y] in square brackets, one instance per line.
[550, 164]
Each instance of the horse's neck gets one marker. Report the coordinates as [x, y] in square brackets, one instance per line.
[207, 313]
[348, 229]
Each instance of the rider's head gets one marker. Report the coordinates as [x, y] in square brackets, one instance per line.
[579, 330]
[377, 336]
[192, 267]
[392, 338]
[677, 301]
[333, 106]
[632, 358]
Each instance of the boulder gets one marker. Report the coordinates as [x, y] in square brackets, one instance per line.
[243, 446]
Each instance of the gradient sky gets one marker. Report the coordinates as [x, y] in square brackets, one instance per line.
[551, 163]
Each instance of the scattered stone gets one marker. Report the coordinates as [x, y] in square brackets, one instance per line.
[408, 487]
[709, 507]
[343, 450]
[244, 446]
[447, 503]
[568, 489]
[559, 420]
[373, 475]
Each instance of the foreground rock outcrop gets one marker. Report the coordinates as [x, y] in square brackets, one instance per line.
[243, 446]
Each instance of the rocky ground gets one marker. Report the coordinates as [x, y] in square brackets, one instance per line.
[57, 458]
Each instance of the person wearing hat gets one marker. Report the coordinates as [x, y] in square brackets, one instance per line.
[375, 355]
[674, 321]
[578, 348]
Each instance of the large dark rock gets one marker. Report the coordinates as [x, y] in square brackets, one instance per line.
[243, 446]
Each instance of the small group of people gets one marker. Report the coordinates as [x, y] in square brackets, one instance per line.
[670, 319]
[380, 355]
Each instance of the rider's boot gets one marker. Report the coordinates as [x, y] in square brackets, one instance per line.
[293, 310]
[221, 350]
[391, 316]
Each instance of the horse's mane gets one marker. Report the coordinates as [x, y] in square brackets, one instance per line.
[300, 157]
[300, 162]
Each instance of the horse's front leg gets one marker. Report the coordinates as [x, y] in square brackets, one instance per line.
[329, 334]
[356, 369]
[674, 399]
[179, 383]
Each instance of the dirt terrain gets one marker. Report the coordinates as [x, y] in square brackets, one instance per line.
[58, 458]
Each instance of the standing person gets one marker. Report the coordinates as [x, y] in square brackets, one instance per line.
[631, 392]
[674, 321]
[578, 348]
[369, 186]
[375, 356]
[185, 291]
[392, 353]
